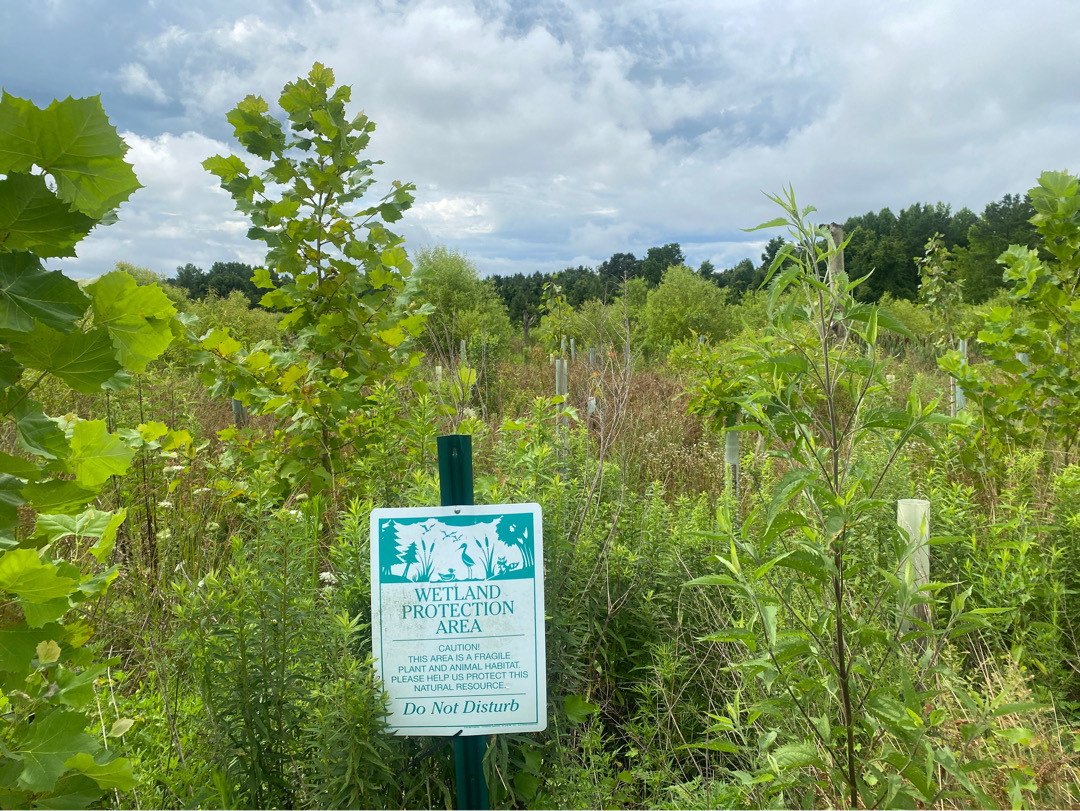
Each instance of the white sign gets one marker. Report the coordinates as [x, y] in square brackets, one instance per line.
[457, 618]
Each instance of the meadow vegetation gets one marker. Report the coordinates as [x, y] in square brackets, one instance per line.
[186, 483]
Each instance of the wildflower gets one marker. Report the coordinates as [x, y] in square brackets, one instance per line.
[329, 578]
[165, 505]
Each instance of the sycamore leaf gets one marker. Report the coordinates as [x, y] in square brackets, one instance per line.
[48, 652]
[176, 439]
[35, 432]
[105, 543]
[73, 790]
[58, 496]
[18, 647]
[85, 361]
[40, 614]
[89, 524]
[32, 218]
[10, 500]
[10, 369]
[17, 466]
[96, 454]
[114, 774]
[152, 431]
[219, 341]
[138, 318]
[28, 292]
[23, 574]
[53, 741]
[74, 142]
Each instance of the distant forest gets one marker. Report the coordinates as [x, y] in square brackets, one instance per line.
[885, 243]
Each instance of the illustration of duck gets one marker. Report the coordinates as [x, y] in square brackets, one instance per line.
[448, 576]
[468, 561]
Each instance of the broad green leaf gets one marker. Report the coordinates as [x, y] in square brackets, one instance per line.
[138, 318]
[228, 169]
[260, 133]
[18, 647]
[393, 336]
[10, 369]
[17, 466]
[121, 727]
[10, 500]
[1019, 736]
[219, 341]
[32, 218]
[90, 524]
[35, 433]
[72, 791]
[261, 279]
[53, 741]
[774, 223]
[40, 614]
[787, 489]
[781, 523]
[107, 540]
[578, 709]
[526, 784]
[48, 652]
[28, 292]
[114, 774]
[85, 361]
[176, 439]
[711, 580]
[1021, 707]
[23, 574]
[58, 496]
[152, 431]
[74, 142]
[806, 562]
[96, 454]
[890, 322]
[795, 755]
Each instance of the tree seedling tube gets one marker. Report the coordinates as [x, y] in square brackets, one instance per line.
[913, 518]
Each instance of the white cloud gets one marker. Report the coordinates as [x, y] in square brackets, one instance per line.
[179, 216]
[135, 81]
[543, 133]
[453, 216]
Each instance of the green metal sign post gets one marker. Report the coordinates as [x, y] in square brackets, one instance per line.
[456, 488]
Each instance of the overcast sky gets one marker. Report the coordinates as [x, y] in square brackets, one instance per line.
[546, 134]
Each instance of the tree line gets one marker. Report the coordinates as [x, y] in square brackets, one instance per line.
[882, 244]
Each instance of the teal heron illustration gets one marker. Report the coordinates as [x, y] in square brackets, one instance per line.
[468, 561]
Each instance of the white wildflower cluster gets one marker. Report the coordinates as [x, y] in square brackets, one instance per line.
[329, 580]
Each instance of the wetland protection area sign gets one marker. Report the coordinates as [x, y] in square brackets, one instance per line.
[457, 608]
